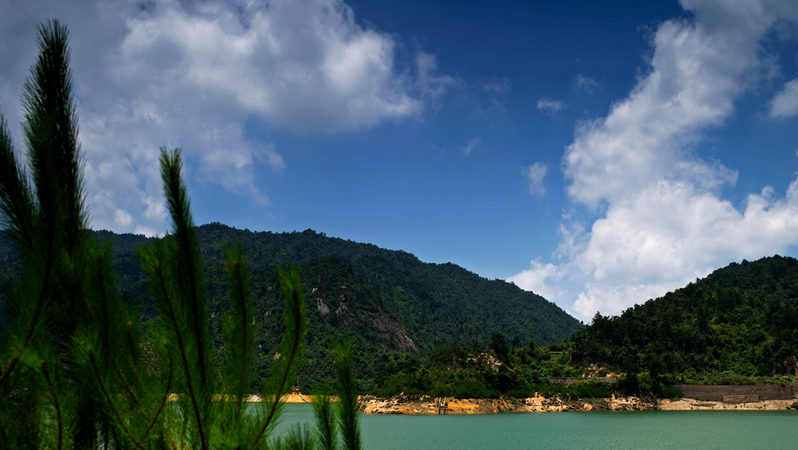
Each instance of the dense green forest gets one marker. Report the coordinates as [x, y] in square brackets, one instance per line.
[739, 325]
[438, 329]
[389, 302]
[503, 369]
[742, 319]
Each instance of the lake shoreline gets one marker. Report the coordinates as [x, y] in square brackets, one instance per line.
[430, 406]
[426, 405]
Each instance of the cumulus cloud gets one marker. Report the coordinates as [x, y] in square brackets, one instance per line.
[190, 75]
[306, 65]
[661, 219]
[585, 84]
[535, 279]
[670, 233]
[550, 107]
[785, 103]
[534, 178]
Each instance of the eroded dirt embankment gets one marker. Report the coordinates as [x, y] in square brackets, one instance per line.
[431, 406]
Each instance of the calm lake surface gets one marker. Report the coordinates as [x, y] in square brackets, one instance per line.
[574, 430]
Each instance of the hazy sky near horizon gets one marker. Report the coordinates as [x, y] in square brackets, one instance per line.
[596, 153]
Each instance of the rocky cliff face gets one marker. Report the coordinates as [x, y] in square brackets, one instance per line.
[393, 329]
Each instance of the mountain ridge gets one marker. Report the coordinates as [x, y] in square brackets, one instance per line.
[740, 319]
[388, 301]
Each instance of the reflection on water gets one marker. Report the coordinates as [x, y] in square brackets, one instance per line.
[577, 430]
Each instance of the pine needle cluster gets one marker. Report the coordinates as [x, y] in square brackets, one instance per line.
[74, 373]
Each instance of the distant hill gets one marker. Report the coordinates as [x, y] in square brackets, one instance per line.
[388, 301]
[741, 319]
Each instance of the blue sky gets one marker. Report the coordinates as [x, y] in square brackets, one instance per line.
[597, 153]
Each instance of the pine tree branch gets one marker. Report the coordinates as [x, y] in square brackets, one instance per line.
[347, 387]
[240, 334]
[16, 203]
[50, 129]
[189, 280]
[162, 404]
[41, 298]
[106, 323]
[4, 434]
[131, 360]
[325, 419]
[171, 313]
[128, 387]
[54, 393]
[177, 426]
[8, 368]
[110, 401]
[296, 327]
[187, 260]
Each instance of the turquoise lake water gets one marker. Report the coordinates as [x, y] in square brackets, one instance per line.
[574, 430]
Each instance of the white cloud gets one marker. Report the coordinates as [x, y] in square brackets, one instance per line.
[123, 218]
[670, 230]
[498, 86]
[694, 79]
[306, 65]
[610, 300]
[190, 75]
[550, 107]
[661, 219]
[668, 235]
[429, 84]
[585, 83]
[785, 103]
[534, 178]
[269, 155]
[534, 279]
[472, 145]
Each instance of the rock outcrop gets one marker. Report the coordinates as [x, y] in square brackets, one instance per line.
[393, 329]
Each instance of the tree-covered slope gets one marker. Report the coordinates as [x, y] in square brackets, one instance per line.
[742, 318]
[388, 301]
[434, 302]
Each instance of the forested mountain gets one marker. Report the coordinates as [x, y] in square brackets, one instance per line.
[388, 301]
[741, 320]
[739, 325]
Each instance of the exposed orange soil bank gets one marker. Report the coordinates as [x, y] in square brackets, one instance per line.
[686, 404]
[429, 406]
